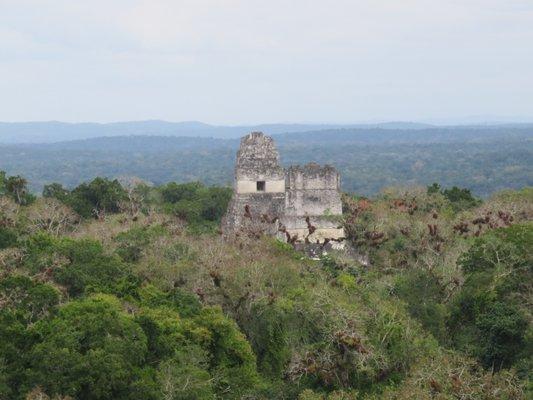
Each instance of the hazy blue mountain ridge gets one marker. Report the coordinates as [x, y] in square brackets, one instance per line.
[53, 131]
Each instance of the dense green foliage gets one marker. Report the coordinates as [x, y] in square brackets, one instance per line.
[433, 300]
[101, 195]
[200, 206]
[459, 198]
[489, 316]
[195, 202]
[113, 338]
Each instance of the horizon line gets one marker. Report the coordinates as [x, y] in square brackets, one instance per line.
[438, 122]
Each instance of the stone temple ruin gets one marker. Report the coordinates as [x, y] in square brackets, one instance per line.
[299, 205]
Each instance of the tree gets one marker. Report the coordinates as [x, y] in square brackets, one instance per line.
[434, 188]
[56, 190]
[185, 376]
[502, 336]
[16, 187]
[234, 363]
[214, 201]
[91, 350]
[79, 266]
[2, 183]
[9, 211]
[51, 216]
[137, 197]
[195, 203]
[460, 199]
[488, 315]
[26, 298]
[91, 270]
[96, 198]
[174, 192]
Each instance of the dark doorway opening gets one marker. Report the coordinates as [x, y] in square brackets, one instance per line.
[260, 186]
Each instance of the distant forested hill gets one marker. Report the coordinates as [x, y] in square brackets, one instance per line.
[484, 159]
[53, 131]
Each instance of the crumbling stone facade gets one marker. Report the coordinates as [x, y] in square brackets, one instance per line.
[298, 205]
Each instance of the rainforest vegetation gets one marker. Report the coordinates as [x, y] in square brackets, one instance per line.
[122, 290]
[485, 160]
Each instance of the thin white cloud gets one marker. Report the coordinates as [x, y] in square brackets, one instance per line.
[252, 61]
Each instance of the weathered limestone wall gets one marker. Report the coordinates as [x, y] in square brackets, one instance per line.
[312, 190]
[271, 186]
[305, 200]
[257, 160]
[312, 199]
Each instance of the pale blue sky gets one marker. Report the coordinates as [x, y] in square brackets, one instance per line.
[251, 61]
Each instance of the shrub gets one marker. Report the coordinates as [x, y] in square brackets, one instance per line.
[8, 238]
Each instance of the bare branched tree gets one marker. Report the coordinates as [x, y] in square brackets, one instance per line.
[8, 211]
[136, 192]
[52, 216]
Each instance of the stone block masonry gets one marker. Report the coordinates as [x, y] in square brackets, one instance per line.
[300, 204]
